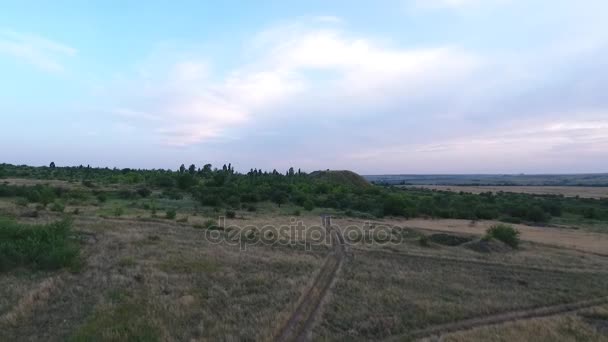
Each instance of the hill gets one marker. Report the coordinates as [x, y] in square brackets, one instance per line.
[342, 177]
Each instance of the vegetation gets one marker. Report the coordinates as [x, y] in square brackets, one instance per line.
[504, 233]
[340, 190]
[44, 247]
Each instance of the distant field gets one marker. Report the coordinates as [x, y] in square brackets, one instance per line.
[592, 179]
[569, 191]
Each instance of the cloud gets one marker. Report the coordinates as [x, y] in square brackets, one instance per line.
[43, 53]
[296, 67]
[537, 142]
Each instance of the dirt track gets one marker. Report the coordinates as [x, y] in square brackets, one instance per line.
[300, 323]
[471, 323]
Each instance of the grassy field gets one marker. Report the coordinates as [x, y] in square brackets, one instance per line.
[143, 274]
[568, 191]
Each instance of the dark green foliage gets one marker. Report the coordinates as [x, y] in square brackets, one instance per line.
[341, 190]
[504, 233]
[423, 241]
[118, 211]
[144, 192]
[448, 239]
[171, 214]
[309, 205]
[230, 214]
[45, 247]
[57, 207]
[102, 197]
[172, 194]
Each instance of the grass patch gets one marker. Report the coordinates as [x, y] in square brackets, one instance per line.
[125, 319]
[46, 247]
[186, 266]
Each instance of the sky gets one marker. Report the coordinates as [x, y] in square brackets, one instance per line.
[377, 87]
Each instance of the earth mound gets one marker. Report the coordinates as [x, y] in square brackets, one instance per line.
[342, 177]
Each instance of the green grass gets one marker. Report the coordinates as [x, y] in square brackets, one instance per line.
[45, 247]
[124, 319]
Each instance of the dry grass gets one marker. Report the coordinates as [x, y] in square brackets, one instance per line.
[151, 279]
[568, 191]
[380, 296]
[571, 327]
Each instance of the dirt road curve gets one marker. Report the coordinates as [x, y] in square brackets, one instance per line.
[299, 325]
[505, 317]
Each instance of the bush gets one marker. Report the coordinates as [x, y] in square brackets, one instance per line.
[22, 202]
[309, 205]
[57, 207]
[230, 214]
[101, 198]
[423, 241]
[504, 233]
[171, 214]
[144, 192]
[296, 212]
[251, 208]
[118, 211]
[45, 247]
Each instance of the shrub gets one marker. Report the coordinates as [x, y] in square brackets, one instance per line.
[57, 207]
[171, 214]
[37, 246]
[118, 211]
[423, 241]
[504, 233]
[308, 205]
[448, 239]
[230, 214]
[296, 212]
[88, 184]
[101, 198]
[22, 202]
[144, 192]
[251, 208]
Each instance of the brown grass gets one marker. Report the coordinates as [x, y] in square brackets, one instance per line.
[570, 327]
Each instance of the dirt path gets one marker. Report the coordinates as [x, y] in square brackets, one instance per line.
[543, 311]
[300, 324]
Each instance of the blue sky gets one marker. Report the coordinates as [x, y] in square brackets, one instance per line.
[405, 86]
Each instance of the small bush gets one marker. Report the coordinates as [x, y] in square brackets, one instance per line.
[37, 246]
[448, 239]
[308, 205]
[183, 220]
[230, 214]
[296, 212]
[118, 211]
[423, 241]
[22, 202]
[251, 208]
[144, 192]
[210, 224]
[57, 207]
[88, 184]
[504, 233]
[170, 214]
[101, 198]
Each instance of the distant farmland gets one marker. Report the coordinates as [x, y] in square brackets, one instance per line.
[568, 191]
[593, 179]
